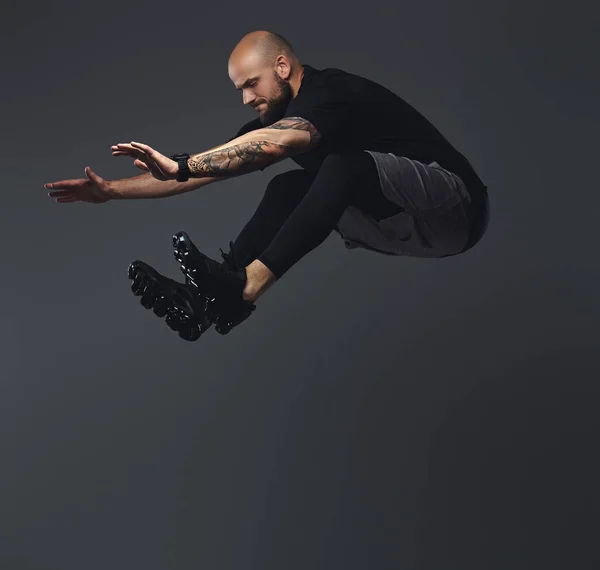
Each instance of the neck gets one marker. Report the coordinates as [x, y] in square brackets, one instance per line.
[297, 82]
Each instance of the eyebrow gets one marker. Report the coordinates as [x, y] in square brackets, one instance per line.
[249, 80]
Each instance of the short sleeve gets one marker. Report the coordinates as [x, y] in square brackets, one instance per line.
[327, 107]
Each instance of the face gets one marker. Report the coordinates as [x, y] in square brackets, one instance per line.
[267, 92]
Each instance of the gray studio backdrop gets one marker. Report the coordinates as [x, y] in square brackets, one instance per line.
[374, 412]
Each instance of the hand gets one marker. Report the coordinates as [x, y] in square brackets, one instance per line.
[146, 158]
[91, 189]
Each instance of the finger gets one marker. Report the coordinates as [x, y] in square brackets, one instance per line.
[61, 194]
[132, 154]
[93, 176]
[126, 147]
[62, 184]
[154, 159]
[141, 164]
[131, 150]
[143, 146]
[143, 153]
[67, 199]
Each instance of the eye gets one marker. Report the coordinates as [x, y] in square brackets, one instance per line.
[251, 84]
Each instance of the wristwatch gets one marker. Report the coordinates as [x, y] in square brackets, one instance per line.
[183, 173]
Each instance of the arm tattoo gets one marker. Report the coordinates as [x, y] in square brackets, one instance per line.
[248, 156]
[298, 124]
[233, 160]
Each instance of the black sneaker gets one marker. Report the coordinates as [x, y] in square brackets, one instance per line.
[184, 307]
[220, 283]
[228, 258]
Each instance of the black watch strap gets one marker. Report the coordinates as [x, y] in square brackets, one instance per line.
[183, 173]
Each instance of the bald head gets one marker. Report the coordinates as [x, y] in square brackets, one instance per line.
[262, 47]
[265, 68]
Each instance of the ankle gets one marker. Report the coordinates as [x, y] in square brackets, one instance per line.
[258, 279]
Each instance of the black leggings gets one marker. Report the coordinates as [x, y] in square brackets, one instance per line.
[299, 210]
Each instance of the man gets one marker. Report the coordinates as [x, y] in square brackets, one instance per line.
[373, 169]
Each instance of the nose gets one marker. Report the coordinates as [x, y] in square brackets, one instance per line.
[249, 99]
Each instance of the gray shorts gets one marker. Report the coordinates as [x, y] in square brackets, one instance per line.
[439, 218]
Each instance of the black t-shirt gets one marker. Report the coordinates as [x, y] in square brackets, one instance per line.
[352, 112]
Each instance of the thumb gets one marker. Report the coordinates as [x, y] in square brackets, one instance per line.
[92, 175]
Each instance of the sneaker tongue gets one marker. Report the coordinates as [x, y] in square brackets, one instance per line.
[228, 258]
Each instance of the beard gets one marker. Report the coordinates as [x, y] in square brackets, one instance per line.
[277, 106]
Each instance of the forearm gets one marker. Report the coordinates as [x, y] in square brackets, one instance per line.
[242, 155]
[146, 186]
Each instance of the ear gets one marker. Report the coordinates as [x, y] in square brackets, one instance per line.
[283, 67]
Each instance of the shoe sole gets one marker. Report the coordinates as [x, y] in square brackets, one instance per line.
[184, 314]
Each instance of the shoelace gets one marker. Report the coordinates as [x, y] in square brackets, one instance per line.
[228, 257]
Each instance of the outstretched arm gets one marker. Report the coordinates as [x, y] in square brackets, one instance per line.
[252, 151]
[256, 150]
